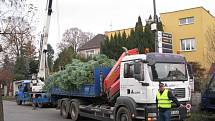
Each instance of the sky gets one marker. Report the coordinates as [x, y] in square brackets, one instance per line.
[98, 16]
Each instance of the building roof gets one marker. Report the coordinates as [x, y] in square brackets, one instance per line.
[95, 42]
[119, 30]
[212, 68]
[190, 9]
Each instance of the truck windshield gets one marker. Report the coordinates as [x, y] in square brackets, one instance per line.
[169, 72]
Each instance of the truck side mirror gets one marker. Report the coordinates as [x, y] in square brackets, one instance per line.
[190, 70]
[137, 68]
[137, 72]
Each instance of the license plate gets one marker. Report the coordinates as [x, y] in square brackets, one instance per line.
[174, 112]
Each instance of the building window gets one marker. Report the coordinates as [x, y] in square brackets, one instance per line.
[188, 44]
[90, 53]
[185, 21]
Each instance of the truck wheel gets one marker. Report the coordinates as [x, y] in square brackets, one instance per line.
[19, 102]
[74, 111]
[40, 105]
[34, 104]
[65, 113]
[123, 114]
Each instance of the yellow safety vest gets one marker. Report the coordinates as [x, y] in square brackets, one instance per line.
[163, 99]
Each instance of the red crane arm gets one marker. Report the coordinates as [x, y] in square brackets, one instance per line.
[111, 82]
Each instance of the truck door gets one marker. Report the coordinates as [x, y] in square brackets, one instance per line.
[132, 78]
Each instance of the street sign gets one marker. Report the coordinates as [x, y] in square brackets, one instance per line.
[164, 42]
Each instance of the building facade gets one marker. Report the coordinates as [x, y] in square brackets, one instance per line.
[92, 47]
[189, 29]
[127, 32]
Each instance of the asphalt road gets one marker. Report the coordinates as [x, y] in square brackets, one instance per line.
[14, 112]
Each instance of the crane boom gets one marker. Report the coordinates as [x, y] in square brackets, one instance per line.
[43, 67]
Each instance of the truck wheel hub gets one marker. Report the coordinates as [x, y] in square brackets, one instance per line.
[124, 117]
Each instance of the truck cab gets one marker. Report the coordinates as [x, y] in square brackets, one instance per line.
[140, 76]
[23, 93]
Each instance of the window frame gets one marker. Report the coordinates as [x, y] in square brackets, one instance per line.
[192, 43]
[186, 21]
[90, 53]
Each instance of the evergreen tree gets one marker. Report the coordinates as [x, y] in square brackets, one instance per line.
[160, 26]
[130, 41]
[105, 45]
[149, 38]
[26, 62]
[138, 38]
[124, 37]
[113, 47]
[21, 69]
[30, 57]
[65, 57]
[120, 44]
[115, 43]
[149, 35]
[33, 66]
[139, 41]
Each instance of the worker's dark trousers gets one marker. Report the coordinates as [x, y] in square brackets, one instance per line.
[164, 115]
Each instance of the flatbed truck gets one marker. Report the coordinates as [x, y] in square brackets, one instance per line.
[128, 91]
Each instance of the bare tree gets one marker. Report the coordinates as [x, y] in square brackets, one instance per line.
[210, 37]
[74, 37]
[15, 35]
[16, 28]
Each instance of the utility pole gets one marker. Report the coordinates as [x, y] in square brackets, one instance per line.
[1, 103]
[156, 26]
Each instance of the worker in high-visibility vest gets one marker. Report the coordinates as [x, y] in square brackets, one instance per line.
[163, 100]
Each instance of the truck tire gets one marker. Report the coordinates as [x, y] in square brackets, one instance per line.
[40, 105]
[34, 104]
[123, 114]
[74, 111]
[63, 109]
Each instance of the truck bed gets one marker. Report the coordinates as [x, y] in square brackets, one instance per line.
[86, 90]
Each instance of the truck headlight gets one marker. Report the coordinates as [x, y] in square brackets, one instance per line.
[152, 114]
